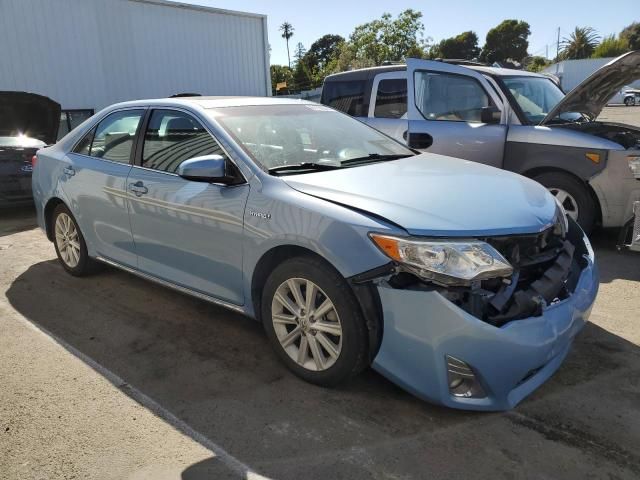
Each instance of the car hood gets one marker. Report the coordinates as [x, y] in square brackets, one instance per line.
[435, 195]
[591, 96]
[28, 114]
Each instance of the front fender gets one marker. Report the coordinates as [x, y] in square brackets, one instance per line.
[277, 216]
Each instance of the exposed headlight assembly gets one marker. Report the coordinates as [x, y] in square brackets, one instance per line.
[447, 262]
[561, 220]
[634, 165]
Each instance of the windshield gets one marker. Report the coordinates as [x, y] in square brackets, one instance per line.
[537, 96]
[280, 135]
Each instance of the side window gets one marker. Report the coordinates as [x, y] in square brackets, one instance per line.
[347, 96]
[84, 146]
[173, 137]
[113, 139]
[449, 97]
[391, 98]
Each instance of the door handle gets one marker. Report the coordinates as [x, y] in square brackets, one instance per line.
[138, 188]
[69, 171]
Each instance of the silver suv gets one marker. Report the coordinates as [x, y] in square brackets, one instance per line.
[510, 119]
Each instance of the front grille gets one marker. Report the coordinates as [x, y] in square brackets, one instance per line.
[545, 271]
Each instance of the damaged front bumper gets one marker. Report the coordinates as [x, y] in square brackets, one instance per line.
[425, 335]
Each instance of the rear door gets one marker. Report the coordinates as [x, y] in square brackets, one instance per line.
[94, 178]
[187, 233]
[388, 104]
[444, 109]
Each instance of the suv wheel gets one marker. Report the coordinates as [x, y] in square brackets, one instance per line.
[69, 243]
[629, 101]
[573, 195]
[314, 322]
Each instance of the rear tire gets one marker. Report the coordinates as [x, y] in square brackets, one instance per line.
[325, 349]
[69, 243]
[577, 193]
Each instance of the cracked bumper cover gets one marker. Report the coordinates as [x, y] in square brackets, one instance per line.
[421, 328]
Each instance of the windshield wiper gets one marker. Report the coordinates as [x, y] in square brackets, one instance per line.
[318, 167]
[375, 157]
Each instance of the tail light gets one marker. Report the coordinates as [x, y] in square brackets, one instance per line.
[34, 160]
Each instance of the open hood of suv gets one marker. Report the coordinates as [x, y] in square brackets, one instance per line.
[28, 114]
[591, 96]
[434, 195]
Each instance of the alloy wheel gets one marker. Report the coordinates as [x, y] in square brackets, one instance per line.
[567, 201]
[306, 323]
[67, 240]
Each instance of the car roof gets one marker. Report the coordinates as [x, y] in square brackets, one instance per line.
[213, 102]
[366, 73]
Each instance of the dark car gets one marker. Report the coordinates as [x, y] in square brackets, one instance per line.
[28, 122]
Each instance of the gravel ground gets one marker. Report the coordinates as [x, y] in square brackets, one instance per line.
[113, 377]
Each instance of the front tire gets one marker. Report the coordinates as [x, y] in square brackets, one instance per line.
[629, 101]
[313, 321]
[573, 195]
[69, 243]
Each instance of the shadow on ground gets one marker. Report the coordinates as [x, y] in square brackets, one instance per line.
[614, 264]
[215, 371]
[19, 219]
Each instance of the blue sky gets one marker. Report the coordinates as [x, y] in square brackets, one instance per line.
[442, 19]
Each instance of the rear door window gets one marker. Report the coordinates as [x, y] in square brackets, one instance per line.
[391, 98]
[114, 136]
[346, 96]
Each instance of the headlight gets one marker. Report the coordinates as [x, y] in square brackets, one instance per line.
[634, 165]
[448, 262]
[561, 221]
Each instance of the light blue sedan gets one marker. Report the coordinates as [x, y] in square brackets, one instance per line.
[462, 283]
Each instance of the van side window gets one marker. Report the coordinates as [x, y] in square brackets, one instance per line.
[391, 98]
[173, 137]
[449, 97]
[347, 96]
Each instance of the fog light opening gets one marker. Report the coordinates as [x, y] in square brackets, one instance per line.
[462, 380]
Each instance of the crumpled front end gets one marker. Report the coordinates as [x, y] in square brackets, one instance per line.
[484, 349]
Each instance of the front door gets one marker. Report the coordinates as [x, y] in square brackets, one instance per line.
[186, 232]
[444, 109]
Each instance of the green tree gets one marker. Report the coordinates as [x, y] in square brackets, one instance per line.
[287, 32]
[611, 46]
[464, 46]
[386, 39]
[279, 74]
[536, 64]
[581, 43]
[631, 34]
[509, 40]
[324, 50]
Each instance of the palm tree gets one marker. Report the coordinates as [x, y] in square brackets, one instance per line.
[579, 44]
[287, 32]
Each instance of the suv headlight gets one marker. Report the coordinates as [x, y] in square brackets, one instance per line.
[448, 262]
[634, 165]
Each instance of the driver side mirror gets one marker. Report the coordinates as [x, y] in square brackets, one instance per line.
[490, 114]
[208, 168]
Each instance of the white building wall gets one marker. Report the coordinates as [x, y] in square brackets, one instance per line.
[92, 53]
[573, 72]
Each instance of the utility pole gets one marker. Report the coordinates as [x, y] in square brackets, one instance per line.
[558, 45]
